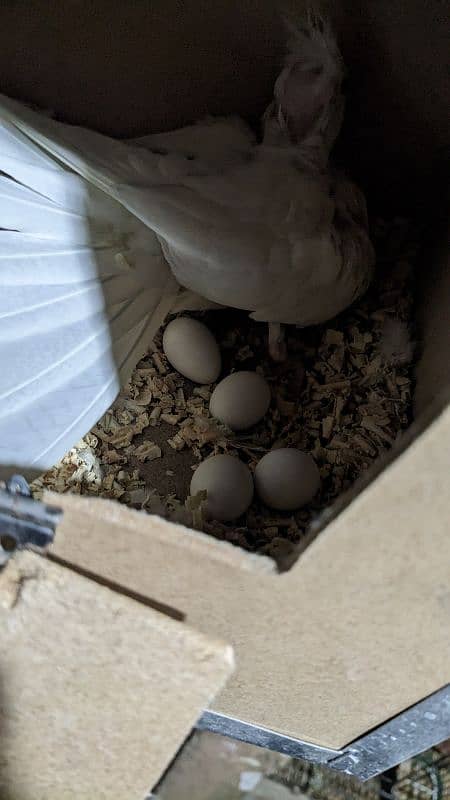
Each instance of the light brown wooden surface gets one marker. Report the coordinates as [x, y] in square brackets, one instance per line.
[358, 630]
[97, 691]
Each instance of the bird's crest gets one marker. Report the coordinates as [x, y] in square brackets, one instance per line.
[308, 105]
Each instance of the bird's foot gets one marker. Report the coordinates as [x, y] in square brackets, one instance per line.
[277, 343]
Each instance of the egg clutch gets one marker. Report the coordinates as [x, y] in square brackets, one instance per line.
[285, 479]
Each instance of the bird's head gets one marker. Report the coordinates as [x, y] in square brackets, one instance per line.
[308, 105]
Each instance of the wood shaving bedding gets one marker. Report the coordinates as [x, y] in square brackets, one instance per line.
[344, 395]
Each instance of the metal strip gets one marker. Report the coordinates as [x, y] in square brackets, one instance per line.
[264, 737]
[419, 728]
[23, 521]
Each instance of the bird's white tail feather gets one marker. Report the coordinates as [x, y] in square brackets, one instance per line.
[102, 161]
[22, 209]
[83, 289]
[61, 187]
[27, 260]
[16, 145]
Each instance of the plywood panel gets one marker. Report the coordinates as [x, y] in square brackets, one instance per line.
[358, 630]
[97, 691]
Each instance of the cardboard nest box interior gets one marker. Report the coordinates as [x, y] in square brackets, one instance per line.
[359, 628]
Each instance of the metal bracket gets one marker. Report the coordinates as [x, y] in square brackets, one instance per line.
[417, 729]
[410, 733]
[264, 737]
[24, 522]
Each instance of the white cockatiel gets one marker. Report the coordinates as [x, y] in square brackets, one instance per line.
[101, 239]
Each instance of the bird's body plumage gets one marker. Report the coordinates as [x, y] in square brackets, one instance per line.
[101, 239]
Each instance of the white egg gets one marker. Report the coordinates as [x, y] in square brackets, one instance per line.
[287, 479]
[192, 350]
[240, 400]
[229, 484]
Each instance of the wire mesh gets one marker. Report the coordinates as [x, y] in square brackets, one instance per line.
[425, 777]
[213, 767]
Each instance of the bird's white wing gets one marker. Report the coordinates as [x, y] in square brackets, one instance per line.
[228, 236]
[232, 237]
[83, 289]
[217, 141]
[270, 240]
[327, 273]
